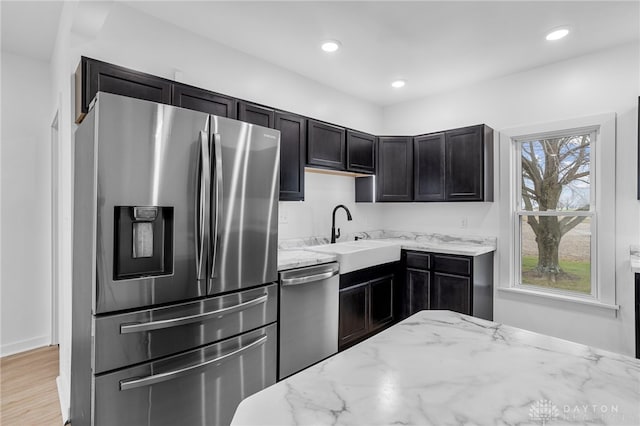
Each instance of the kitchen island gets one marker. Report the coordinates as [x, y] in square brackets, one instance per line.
[444, 368]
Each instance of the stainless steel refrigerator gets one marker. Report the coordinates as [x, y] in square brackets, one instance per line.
[174, 264]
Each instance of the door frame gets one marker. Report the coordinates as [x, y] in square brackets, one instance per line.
[55, 240]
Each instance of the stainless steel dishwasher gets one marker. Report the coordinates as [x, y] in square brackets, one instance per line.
[308, 316]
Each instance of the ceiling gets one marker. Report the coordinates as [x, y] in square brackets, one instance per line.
[435, 46]
[29, 28]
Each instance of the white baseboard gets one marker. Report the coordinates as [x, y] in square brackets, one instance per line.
[24, 345]
[63, 393]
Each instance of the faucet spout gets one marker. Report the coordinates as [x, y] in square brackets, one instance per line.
[335, 234]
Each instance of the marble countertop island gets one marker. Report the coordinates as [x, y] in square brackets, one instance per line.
[444, 368]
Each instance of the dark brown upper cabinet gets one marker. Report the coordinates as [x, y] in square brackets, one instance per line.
[256, 114]
[469, 164]
[293, 142]
[325, 145]
[94, 76]
[361, 152]
[428, 167]
[395, 168]
[203, 100]
[454, 165]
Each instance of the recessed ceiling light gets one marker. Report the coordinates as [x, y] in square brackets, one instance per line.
[398, 83]
[330, 45]
[557, 34]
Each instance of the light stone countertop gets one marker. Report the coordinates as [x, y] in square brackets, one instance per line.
[445, 368]
[292, 253]
[441, 247]
[290, 259]
[634, 252]
[439, 243]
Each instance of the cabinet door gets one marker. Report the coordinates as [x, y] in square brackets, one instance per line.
[361, 152]
[418, 283]
[637, 279]
[326, 145]
[452, 292]
[464, 179]
[203, 100]
[381, 299]
[395, 171]
[293, 141]
[354, 309]
[256, 114]
[95, 76]
[429, 166]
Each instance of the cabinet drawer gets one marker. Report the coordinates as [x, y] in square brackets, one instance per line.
[418, 260]
[452, 264]
[201, 386]
[168, 330]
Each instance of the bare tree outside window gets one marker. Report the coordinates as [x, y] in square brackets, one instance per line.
[555, 212]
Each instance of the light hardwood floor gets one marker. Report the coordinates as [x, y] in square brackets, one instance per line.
[28, 391]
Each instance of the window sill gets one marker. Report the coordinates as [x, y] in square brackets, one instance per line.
[559, 297]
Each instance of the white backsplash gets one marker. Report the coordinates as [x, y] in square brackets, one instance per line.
[312, 217]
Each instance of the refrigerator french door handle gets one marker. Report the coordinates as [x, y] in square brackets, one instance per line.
[217, 161]
[163, 377]
[189, 319]
[202, 210]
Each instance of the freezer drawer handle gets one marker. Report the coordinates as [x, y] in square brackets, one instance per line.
[156, 325]
[308, 278]
[163, 377]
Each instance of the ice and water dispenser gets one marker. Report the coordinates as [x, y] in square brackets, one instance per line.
[143, 242]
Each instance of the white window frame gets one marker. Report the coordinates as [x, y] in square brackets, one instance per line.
[591, 213]
[602, 169]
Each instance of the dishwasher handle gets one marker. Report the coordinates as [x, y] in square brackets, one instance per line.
[305, 279]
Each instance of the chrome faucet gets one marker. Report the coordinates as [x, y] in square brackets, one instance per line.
[335, 234]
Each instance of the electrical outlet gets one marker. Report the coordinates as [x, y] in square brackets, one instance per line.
[283, 217]
[464, 222]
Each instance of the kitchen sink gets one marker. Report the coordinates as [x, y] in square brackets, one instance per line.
[354, 255]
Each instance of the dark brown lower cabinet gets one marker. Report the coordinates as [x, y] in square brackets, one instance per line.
[418, 284]
[449, 282]
[367, 303]
[380, 302]
[638, 316]
[451, 292]
[353, 313]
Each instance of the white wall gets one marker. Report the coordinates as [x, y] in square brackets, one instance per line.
[62, 98]
[312, 217]
[135, 40]
[26, 201]
[606, 81]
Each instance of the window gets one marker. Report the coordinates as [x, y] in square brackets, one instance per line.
[555, 213]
